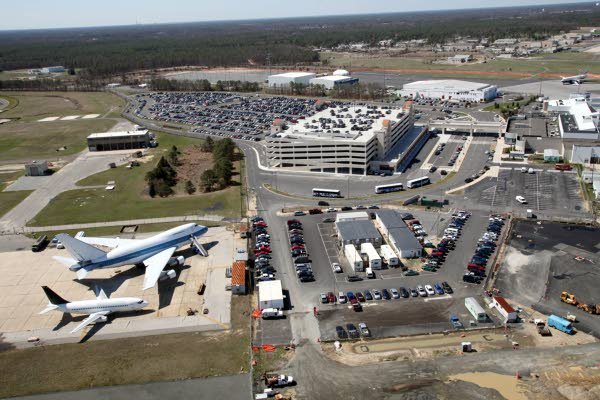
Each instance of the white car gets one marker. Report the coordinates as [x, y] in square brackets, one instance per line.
[331, 209]
[336, 268]
[429, 290]
[342, 298]
[395, 293]
[521, 199]
[421, 291]
[376, 294]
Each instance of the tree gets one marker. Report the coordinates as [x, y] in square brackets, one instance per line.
[189, 187]
[223, 170]
[208, 179]
[208, 145]
[163, 172]
[151, 189]
[163, 189]
[71, 71]
[173, 155]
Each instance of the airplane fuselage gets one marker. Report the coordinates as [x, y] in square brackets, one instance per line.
[137, 252]
[107, 305]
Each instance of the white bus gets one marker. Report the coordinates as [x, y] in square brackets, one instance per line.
[316, 192]
[415, 183]
[392, 187]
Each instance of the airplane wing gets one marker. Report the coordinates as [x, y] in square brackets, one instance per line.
[155, 265]
[90, 320]
[106, 242]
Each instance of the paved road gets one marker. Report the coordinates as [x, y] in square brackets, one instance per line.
[181, 218]
[235, 387]
[84, 165]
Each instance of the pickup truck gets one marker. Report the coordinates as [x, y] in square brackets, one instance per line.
[456, 324]
[278, 380]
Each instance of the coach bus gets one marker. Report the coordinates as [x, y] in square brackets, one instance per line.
[316, 192]
[393, 187]
[415, 183]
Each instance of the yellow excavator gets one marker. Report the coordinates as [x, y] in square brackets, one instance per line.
[570, 298]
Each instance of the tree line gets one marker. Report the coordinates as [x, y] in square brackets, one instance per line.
[219, 176]
[202, 85]
[111, 51]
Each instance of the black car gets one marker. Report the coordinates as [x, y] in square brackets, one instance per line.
[471, 278]
[307, 278]
[323, 203]
[354, 278]
[432, 169]
[447, 288]
[406, 216]
[403, 292]
[341, 332]
[386, 294]
[346, 208]
[368, 295]
[352, 331]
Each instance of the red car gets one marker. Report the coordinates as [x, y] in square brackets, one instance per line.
[353, 301]
[293, 221]
[264, 248]
[475, 267]
[437, 254]
[331, 297]
[297, 247]
[260, 252]
[262, 224]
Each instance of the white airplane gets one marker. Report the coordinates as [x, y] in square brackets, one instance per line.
[154, 252]
[96, 309]
[574, 80]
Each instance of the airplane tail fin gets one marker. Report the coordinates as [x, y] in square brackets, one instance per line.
[79, 250]
[53, 298]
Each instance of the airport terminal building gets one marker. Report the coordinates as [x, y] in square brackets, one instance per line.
[450, 89]
[344, 140]
[127, 140]
[578, 119]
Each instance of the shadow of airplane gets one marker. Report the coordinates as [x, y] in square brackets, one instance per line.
[112, 284]
[98, 326]
[166, 288]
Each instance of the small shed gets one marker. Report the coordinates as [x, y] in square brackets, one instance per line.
[238, 277]
[551, 155]
[36, 168]
[270, 295]
[505, 309]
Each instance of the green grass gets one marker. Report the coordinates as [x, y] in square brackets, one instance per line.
[8, 200]
[130, 360]
[560, 63]
[39, 140]
[129, 199]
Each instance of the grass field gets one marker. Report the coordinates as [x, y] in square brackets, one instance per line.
[26, 138]
[129, 201]
[560, 63]
[130, 360]
[38, 140]
[32, 106]
[8, 200]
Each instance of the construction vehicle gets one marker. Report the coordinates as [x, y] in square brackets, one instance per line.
[278, 380]
[571, 317]
[542, 329]
[568, 298]
[589, 308]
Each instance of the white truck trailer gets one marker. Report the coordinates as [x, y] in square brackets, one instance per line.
[389, 256]
[354, 259]
[372, 255]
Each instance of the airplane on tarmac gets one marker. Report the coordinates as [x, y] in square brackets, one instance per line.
[574, 80]
[96, 309]
[154, 252]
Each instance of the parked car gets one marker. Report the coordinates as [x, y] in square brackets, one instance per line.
[447, 288]
[341, 332]
[386, 294]
[352, 331]
[429, 290]
[410, 272]
[324, 298]
[422, 291]
[438, 289]
[364, 330]
[299, 213]
[331, 297]
[354, 278]
[342, 299]
[376, 294]
[368, 295]
[456, 324]
[414, 292]
[403, 292]
[395, 293]
[323, 203]
[336, 268]
[328, 219]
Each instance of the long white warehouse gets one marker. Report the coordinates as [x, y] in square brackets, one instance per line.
[284, 80]
[450, 89]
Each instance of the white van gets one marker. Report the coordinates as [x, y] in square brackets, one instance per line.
[370, 273]
[342, 298]
[271, 313]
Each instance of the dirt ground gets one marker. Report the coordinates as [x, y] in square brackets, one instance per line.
[193, 162]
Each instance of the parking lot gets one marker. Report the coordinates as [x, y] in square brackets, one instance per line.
[542, 260]
[543, 190]
[384, 317]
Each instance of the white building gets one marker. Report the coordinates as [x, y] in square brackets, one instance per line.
[577, 118]
[344, 140]
[284, 80]
[397, 234]
[450, 89]
[460, 58]
[372, 255]
[333, 81]
[53, 70]
[585, 154]
[352, 216]
[270, 295]
[505, 309]
[475, 309]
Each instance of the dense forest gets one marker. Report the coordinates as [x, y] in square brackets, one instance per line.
[115, 50]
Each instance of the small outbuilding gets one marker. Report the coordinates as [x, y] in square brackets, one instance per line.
[505, 309]
[37, 168]
[238, 277]
[551, 155]
[270, 295]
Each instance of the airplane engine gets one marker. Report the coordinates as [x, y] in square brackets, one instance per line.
[176, 261]
[101, 319]
[170, 274]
